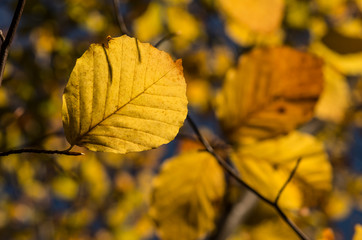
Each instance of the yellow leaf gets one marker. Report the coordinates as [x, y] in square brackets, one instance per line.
[359, 4]
[185, 196]
[335, 87]
[327, 234]
[258, 15]
[245, 37]
[119, 103]
[186, 26]
[358, 232]
[339, 205]
[198, 94]
[297, 15]
[253, 21]
[267, 165]
[274, 230]
[65, 187]
[342, 52]
[96, 179]
[149, 25]
[330, 6]
[272, 91]
[180, 2]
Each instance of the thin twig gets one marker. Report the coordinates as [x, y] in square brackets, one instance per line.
[119, 18]
[2, 37]
[122, 25]
[288, 180]
[223, 163]
[235, 175]
[238, 212]
[4, 51]
[165, 38]
[41, 151]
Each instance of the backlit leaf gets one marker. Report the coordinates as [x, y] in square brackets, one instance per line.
[186, 26]
[341, 51]
[358, 232]
[258, 15]
[253, 21]
[117, 102]
[267, 165]
[335, 87]
[327, 234]
[274, 229]
[272, 91]
[185, 195]
[65, 187]
[339, 205]
[149, 25]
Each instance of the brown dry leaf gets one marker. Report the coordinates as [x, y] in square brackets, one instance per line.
[272, 91]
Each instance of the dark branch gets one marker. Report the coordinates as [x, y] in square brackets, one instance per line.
[2, 37]
[236, 215]
[236, 177]
[119, 19]
[122, 25]
[41, 151]
[165, 38]
[288, 180]
[5, 46]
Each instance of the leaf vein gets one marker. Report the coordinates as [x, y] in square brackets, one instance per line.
[137, 130]
[110, 136]
[138, 117]
[178, 111]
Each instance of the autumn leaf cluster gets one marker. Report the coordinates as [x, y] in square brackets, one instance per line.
[273, 85]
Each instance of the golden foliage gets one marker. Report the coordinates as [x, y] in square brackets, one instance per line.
[119, 103]
[358, 232]
[343, 52]
[272, 91]
[149, 25]
[162, 18]
[266, 166]
[258, 15]
[273, 229]
[250, 21]
[186, 194]
[335, 87]
[65, 187]
[338, 205]
[327, 234]
[184, 24]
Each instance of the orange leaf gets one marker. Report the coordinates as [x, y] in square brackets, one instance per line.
[272, 91]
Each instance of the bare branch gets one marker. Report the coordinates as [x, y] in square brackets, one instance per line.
[2, 37]
[4, 51]
[236, 177]
[165, 38]
[119, 18]
[41, 151]
[238, 212]
[288, 180]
